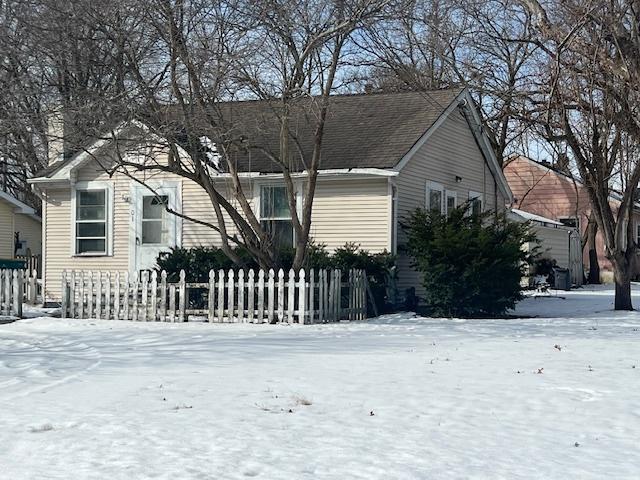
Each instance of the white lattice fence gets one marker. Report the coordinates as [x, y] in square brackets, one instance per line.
[232, 296]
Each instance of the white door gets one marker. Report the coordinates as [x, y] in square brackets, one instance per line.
[154, 228]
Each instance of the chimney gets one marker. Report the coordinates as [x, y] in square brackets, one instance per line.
[55, 136]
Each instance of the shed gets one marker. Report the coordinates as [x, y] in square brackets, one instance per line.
[557, 241]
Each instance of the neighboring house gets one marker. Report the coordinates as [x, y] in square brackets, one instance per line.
[20, 228]
[555, 241]
[383, 156]
[540, 189]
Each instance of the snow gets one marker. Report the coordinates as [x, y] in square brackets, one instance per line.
[398, 397]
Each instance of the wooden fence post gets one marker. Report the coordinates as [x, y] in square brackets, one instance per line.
[280, 295]
[212, 296]
[134, 304]
[231, 308]
[302, 297]
[221, 295]
[98, 294]
[17, 293]
[291, 300]
[90, 296]
[271, 296]
[116, 298]
[250, 296]
[107, 296]
[145, 296]
[241, 317]
[154, 296]
[260, 313]
[125, 297]
[72, 295]
[65, 295]
[163, 296]
[182, 296]
[81, 302]
[172, 302]
[312, 292]
[322, 292]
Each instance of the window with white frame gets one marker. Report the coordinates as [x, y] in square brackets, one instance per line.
[476, 206]
[275, 216]
[435, 197]
[154, 217]
[91, 222]
[451, 201]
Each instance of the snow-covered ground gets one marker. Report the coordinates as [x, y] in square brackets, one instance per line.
[398, 397]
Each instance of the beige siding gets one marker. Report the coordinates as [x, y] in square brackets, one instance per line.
[451, 151]
[30, 230]
[6, 230]
[344, 211]
[352, 211]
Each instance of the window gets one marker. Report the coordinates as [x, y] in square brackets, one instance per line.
[91, 222]
[452, 202]
[435, 197]
[475, 203]
[572, 222]
[275, 216]
[154, 230]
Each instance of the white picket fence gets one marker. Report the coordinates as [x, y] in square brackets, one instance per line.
[254, 297]
[11, 292]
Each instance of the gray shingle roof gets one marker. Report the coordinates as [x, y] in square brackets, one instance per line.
[362, 131]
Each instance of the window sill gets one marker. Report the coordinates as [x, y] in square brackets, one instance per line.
[85, 255]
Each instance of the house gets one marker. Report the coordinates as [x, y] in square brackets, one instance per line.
[555, 241]
[383, 156]
[544, 190]
[20, 228]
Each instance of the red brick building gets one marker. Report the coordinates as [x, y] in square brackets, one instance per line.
[540, 189]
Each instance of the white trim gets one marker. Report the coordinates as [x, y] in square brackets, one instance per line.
[570, 217]
[469, 105]
[393, 215]
[20, 207]
[448, 194]
[135, 189]
[435, 186]
[109, 220]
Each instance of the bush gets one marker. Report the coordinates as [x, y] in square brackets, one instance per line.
[472, 265]
[197, 262]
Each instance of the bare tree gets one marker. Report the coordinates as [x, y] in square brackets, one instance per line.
[587, 100]
[179, 62]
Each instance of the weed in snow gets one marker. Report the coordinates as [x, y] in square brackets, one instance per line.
[557, 347]
[182, 407]
[47, 427]
[300, 400]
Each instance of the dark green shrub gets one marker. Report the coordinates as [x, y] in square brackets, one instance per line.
[472, 265]
[197, 262]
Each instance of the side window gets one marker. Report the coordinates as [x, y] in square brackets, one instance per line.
[451, 201]
[435, 197]
[476, 203]
[275, 216]
[91, 222]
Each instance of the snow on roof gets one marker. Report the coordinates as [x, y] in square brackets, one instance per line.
[528, 216]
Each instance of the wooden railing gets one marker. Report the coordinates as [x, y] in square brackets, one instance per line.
[255, 297]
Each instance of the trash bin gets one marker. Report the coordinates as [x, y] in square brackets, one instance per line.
[562, 279]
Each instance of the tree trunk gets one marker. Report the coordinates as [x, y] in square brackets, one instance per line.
[623, 289]
[594, 265]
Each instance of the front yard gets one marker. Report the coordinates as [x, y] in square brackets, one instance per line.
[396, 397]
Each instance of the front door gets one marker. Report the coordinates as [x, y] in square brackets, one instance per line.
[155, 228]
